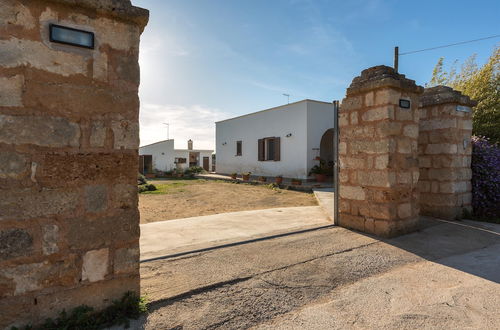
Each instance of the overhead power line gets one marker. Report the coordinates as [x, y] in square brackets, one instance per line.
[449, 45]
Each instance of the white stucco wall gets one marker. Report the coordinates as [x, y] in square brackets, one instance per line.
[306, 120]
[163, 154]
[320, 118]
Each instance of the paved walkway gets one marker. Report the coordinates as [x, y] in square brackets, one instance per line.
[182, 235]
[324, 196]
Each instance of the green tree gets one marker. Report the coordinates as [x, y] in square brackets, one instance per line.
[479, 83]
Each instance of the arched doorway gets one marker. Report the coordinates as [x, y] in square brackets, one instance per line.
[326, 149]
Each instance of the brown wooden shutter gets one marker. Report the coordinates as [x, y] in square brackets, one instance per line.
[277, 149]
[260, 155]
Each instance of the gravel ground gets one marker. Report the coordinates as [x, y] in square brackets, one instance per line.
[445, 276]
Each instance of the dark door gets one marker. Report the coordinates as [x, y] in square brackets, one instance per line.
[206, 163]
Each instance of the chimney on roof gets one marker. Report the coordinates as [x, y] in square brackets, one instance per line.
[190, 144]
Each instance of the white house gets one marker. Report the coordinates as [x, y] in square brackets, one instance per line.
[285, 140]
[162, 156]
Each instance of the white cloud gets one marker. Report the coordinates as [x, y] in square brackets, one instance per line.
[194, 122]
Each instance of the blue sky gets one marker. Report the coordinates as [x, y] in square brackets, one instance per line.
[208, 60]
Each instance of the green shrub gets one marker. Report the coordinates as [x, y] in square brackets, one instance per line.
[141, 179]
[147, 187]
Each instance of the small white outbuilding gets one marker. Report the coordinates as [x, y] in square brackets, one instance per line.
[162, 156]
[287, 140]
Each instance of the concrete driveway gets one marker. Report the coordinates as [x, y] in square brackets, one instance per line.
[166, 238]
[445, 276]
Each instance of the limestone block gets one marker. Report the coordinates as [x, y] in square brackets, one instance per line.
[352, 163]
[425, 161]
[28, 203]
[15, 243]
[352, 192]
[12, 165]
[387, 96]
[126, 134]
[354, 118]
[100, 66]
[379, 113]
[84, 233]
[14, 13]
[343, 119]
[95, 265]
[96, 198]
[424, 186]
[373, 147]
[11, 91]
[118, 35]
[124, 196]
[343, 176]
[441, 148]
[342, 148]
[382, 162]
[376, 179]
[17, 52]
[351, 103]
[404, 114]
[404, 145]
[388, 128]
[126, 260]
[464, 124]
[35, 276]
[404, 210]
[367, 132]
[42, 131]
[369, 99]
[441, 123]
[97, 134]
[62, 99]
[411, 131]
[50, 237]
[404, 177]
[77, 169]
[382, 211]
[453, 187]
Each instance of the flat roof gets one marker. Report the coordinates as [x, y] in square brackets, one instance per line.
[147, 145]
[274, 108]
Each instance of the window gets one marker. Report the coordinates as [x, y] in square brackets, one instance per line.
[269, 149]
[180, 160]
[238, 148]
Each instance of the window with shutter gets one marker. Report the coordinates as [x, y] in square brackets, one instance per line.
[238, 148]
[260, 154]
[277, 149]
[270, 149]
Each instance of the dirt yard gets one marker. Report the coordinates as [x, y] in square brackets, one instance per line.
[190, 198]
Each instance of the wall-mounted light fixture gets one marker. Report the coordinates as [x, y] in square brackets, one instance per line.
[70, 36]
[289, 134]
[405, 104]
[463, 108]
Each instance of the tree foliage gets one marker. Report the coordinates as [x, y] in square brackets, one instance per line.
[481, 84]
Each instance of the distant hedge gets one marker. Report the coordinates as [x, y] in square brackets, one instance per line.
[485, 178]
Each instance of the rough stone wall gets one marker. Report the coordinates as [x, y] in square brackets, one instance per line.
[378, 153]
[445, 153]
[69, 223]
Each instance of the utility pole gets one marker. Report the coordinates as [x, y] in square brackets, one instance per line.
[288, 97]
[168, 130]
[396, 58]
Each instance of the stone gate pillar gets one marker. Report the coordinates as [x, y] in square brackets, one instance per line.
[445, 152]
[69, 223]
[378, 132]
